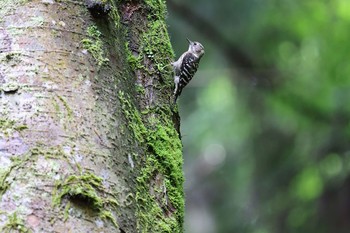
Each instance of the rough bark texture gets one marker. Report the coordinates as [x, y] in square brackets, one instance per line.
[87, 136]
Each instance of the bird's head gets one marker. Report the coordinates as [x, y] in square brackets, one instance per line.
[196, 48]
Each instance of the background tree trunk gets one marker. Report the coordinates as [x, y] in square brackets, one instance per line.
[87, 136]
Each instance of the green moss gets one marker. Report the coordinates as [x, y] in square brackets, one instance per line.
[114, 14]
[56, 106]
[133, 116]
[94, 45]
[161, 210]
[157, 9]
[36, 21]
[7, 126]
[66, 106]
[12, 56]
[54, 153]
[168, 149]
[105, 214]
[4, 173]
[154, 42]
[88, 188]
[66, 212]
[156, 46]
[159, 195]
[140, 89]
[134, 61]
[164, 159]
[84, 186]
[14, 224]
[3, 183]
[17, 162]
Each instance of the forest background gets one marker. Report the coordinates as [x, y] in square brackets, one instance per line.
[265, 122]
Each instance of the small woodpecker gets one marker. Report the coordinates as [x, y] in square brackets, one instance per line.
[186, 66]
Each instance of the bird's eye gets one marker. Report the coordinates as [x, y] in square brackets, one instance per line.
[195, 43]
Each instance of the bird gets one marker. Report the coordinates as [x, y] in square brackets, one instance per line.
[186, 66]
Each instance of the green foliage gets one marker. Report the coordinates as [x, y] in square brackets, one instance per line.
[308, 184]
[286, 144]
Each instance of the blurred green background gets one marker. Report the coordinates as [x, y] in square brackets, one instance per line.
[265, 121]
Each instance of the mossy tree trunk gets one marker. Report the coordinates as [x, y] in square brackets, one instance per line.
[87, 135]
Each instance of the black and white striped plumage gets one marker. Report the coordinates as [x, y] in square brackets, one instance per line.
[186, 66]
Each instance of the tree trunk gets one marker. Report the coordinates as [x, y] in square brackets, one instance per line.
[88, 141]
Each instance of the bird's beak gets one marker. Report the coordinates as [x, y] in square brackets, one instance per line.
[190, 42]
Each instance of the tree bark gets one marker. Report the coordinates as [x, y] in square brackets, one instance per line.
[88, 139]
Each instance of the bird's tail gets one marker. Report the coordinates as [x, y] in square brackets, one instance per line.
[177, 93]
[175, 98]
